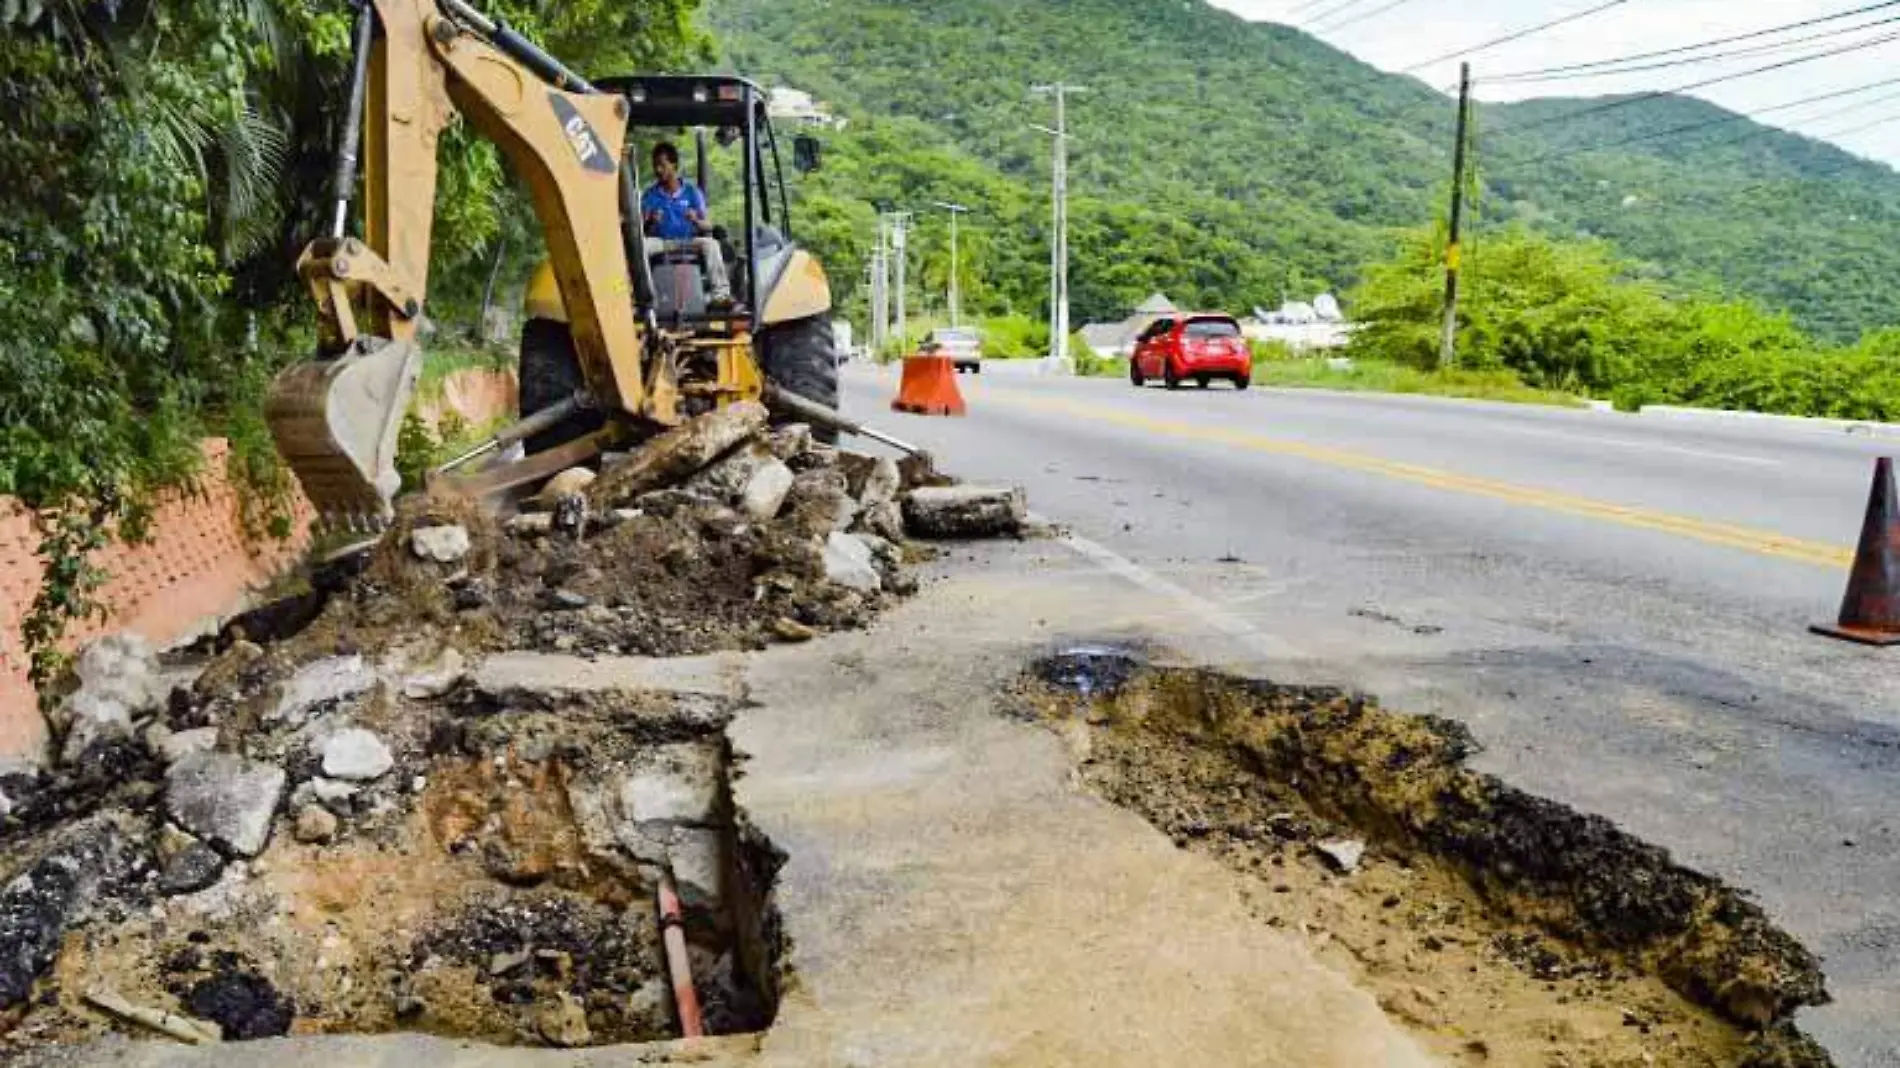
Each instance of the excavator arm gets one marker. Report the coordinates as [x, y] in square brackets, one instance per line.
[418, 64]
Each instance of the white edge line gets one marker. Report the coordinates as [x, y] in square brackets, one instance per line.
[1203, 609]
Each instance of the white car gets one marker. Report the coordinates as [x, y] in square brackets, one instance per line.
[963, 345]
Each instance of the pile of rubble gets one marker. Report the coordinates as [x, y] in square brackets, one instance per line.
[337, 824]
[720, 534]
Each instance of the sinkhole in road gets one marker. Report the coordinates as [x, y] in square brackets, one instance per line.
[503, 889]
[1498, 926]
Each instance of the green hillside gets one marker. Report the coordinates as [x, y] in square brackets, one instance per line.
[1223, 160]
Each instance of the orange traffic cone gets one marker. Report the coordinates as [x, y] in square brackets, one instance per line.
[1870, 614]
[929, 387]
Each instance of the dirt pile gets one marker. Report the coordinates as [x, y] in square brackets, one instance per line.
[1505, 927]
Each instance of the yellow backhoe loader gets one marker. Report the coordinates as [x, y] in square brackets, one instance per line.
[620, 338]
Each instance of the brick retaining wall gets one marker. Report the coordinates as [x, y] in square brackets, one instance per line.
[198, 568]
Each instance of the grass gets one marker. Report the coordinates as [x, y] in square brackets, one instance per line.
[444, 358]
[1370, 376]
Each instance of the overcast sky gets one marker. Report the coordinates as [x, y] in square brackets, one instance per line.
[1417, 30]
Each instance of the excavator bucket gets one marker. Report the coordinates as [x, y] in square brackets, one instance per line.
[336, 422]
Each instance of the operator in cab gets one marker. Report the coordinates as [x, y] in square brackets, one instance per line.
[675, 212]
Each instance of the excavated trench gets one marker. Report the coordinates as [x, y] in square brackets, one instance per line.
[1501, 927]
[499, 885]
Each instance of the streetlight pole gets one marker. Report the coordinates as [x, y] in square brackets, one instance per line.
[1059, 254]
[955, 294]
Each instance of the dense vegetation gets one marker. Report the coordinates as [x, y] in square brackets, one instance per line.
[1224, 161]
[1572, 316]
[160, 165]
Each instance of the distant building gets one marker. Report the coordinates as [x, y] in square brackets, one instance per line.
[1304, 326]
[798, 107]
[1118, 339]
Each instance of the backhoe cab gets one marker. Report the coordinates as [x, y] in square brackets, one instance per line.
[610, 352]
[781, 326]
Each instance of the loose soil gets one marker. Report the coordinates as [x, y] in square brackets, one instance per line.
[683, 577]
[1501, 927]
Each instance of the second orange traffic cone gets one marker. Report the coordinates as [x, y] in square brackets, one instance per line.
[1870, 613]
[929, 387]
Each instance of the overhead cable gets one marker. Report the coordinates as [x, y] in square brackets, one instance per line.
[1515, 36]
[1628, 101]
[1678, 50]
[1688, 61]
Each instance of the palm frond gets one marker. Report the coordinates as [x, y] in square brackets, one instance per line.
[253, 154]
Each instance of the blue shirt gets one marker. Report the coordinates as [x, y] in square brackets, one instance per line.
[672, 208]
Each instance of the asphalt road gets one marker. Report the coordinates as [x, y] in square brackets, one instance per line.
[1616, 605]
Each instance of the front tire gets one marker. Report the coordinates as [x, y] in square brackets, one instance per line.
[801, 357]
[1168, 377]
[549, 373]
[1241, 382]
[1135, 377]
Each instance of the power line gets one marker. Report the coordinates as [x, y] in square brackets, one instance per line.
[1301, 9]
[1639, 98]
[1855, 129]
[1751, 50]
[1516, 36]
[1330, 12]
[1724, 120]
[1881, 99]
[1374, 13]
[1803, 24]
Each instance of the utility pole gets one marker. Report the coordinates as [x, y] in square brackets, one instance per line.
[955, 296]
[1448, 342]
[880, 291]
[1059, 252]
[900, 227]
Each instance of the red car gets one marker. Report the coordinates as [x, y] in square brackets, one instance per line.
[1201, 347]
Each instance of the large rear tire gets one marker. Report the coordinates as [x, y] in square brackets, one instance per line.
[550, 372]
[801, 357]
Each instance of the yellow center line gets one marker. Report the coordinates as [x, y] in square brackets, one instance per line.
[1762, 542]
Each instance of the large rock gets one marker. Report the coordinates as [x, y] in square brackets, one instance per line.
[965, 511]
[765, 491]
[225, 799]
[356, 755]
[322, 682]
[872, 480]
[725, 479]
[820, 503]
[53, 894]
[886, 520]
[444, 544]
[848, 563]
[172, 747]
[789, 440]
[118, 681]
[438, 677]
[679, 452]
[679, 783]
[190, 870]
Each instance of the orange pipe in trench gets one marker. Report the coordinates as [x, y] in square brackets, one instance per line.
[673, 936]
